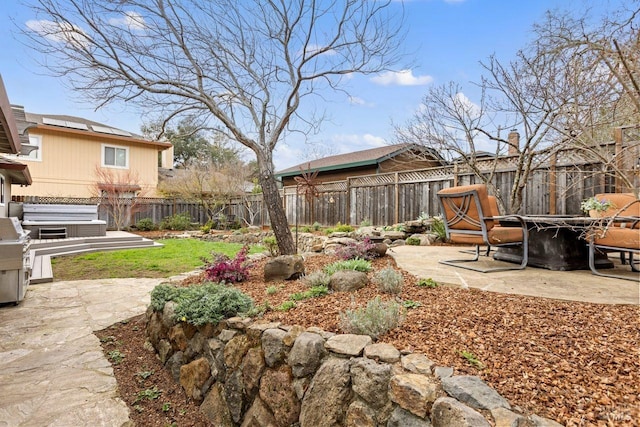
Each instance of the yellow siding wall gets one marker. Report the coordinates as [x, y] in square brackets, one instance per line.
[68, 165]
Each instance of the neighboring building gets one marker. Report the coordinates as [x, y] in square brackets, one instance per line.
[390, 158]
[75, 155]
[12, 139]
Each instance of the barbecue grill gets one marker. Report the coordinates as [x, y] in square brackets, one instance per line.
[15, 265]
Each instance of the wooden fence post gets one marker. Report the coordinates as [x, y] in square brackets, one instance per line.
[552, 184]
[396, 197]
[347, 210]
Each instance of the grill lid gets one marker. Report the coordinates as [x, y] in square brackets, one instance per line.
[10, 229]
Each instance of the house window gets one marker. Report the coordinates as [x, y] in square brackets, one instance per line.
[35, 154]
[115, 157]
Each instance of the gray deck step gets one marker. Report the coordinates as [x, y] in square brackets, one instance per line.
[43, 251]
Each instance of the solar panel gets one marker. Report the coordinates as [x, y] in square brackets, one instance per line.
[64, 123]
[112, 131]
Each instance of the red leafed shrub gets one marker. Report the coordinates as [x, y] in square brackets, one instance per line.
[363, 250]
[224, 269]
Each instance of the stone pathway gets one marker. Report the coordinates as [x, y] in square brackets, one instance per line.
[52, 369]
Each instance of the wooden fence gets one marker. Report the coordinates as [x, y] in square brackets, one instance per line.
[387, 198]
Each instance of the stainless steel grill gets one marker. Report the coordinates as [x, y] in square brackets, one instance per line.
[15, 265]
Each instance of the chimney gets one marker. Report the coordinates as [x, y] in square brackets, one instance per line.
[514, 143]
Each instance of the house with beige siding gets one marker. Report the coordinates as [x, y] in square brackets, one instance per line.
[76, 157]
[12, 139]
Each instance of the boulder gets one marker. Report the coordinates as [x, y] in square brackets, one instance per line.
[413, 392]
[474, 392]
[258, 416]
[370, 381]
[234, 395]
[393, 235]
[306, 354]
[273, 346]
[284, 267]
[252, 367]
[448, 412]
[326, 401]
[214, 407]
[380, 249]
[193, 376]
[360, 415]
[417, 363]
[382, 352]
[276, 391]
[348, 280]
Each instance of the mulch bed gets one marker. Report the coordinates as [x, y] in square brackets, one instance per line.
[576, 363]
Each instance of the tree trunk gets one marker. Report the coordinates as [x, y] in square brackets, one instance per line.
[277, 215]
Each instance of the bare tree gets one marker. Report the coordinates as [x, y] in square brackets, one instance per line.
[246, 66]
[118, 192]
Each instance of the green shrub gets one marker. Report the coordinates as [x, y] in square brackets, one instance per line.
[413, 241]
[329, 230]
[206, 228]
[409, 304]
[316, 226]
[317, 278]
[365, 223]
[271, 244]
[179, 222]
[201, 304]
[286, 306]
[271, 290]
[428, 283]
[306, 229]
[351, 264]
[343, 228]
[316, 291]
[388, 280]
[437, 227]
[377, 318]
[146, 224]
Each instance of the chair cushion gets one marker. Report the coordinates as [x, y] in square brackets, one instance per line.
[617, 237]
[619, 201]
[497, 236]
[485, 205]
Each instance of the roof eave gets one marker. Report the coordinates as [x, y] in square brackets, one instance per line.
[8, 121]
[329, 168]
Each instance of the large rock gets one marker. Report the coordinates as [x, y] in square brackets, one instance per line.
[273, 346]
[276, 391]
[234, 395]
[214, 352]
[348, 280]
[360, 415]
[174, 364]
[417, 363]
[382, 352]
[306, 354]
[371, 381]
[413, 392]
[401, 418]
[259, 416]
[474, 392]
[235, 350]
[252, 367]
[214, 407]
[448, 412]
[193, 376]
[326, 401]
[392, 235]
[348, 344]
[380, 249]
[284, 267]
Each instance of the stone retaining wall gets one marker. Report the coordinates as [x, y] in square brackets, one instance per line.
[253, 374]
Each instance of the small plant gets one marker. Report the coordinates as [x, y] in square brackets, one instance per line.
[316, 226]
[472, 359]
[258, 310]
[166, 407]
[306, 229]
[150, 394]
[316, 291]
[223, 269]
[329, 230]
[206, 228]
[271, 244]
[115, 356]
[389, 280]
[352, 264]
[143, 375]
[364, 250]
[139, 409]
[179, 222]
[438, 227]
[146, 224]
[594, 204]
[423, 216]
[377, 318]
[409, 304]
[272, 290]
[413, 241]
[286, 306]
[343, 228]
[163, 293]
[317, 278]
[428, 283]
[365, 223]
[108, 339]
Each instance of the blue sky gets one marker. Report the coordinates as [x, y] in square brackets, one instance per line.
[447, 39]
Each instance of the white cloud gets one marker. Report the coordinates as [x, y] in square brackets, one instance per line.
[347, 143]
[131, 20]
[472, 109]
[354, 100]
[401, 78]
[61, 32]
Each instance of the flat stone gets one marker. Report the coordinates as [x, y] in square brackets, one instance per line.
[503, 417]
[417, 363]
[474, 392]
[413, 392]
[448, 412]
[382, 352]
[543, 422]
[240, 323]
[348, 344]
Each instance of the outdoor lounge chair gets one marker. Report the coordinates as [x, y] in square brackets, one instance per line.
[618, 232]
[467, 211]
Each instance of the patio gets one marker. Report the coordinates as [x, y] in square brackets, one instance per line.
[576, 285]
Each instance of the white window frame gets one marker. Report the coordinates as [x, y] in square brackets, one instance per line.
[35, 155]
[115, 147]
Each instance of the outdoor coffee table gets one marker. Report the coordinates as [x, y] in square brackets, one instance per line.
[556, 242]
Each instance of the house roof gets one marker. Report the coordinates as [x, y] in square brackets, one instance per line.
[357, 158]
[18, 172]
[81, 126]
[10, 141]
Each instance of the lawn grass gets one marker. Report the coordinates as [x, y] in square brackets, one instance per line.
[175, 257]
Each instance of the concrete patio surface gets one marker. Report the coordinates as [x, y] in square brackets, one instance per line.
[577, 285]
